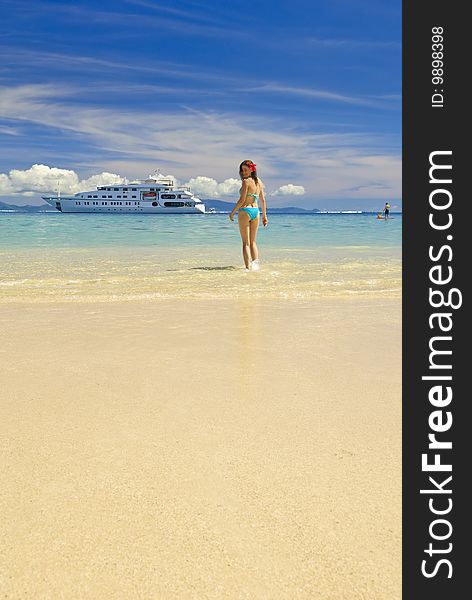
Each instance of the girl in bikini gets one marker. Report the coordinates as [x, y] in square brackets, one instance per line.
[248, 212]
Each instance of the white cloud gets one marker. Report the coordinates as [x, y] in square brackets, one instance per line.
[327, 165]
[309, 92]
[44, 179]
[8, 130]
[40, 179]
[208, 187]
[289, 190]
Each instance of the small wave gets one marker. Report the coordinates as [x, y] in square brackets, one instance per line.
[13, 283]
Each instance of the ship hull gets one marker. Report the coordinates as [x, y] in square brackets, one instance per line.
[69, 205]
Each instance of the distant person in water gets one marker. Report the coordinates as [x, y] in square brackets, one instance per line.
[248, 212]
[386, 210]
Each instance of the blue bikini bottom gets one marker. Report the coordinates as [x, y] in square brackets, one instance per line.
[252, 211]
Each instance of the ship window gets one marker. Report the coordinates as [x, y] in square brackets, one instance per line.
[133, 196]
[134, 189]
[125, 189]
[118, 196]
[154, 203]
[188, 204]
[89, 196]
[103, 196]
[168, 196]
[173, 204]
[110, 196]
[125, 196]
[116, 189]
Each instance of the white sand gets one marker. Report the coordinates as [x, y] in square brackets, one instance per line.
[201, 449]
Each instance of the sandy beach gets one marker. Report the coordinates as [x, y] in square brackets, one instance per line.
[201, 449]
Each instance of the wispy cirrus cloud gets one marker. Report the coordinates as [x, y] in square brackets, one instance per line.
[198, 14]
[221, 82]
[345, 43]
[188, 141]
[5, 130]
[58, 59]
[309, 92]
[170, 19]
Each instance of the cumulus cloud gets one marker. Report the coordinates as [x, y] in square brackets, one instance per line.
[289, 190]
[40, 179]
[208, 187]
[44, 179]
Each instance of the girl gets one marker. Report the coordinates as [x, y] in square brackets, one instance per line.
[248, 212]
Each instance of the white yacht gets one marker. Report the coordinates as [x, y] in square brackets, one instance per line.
[156, 195]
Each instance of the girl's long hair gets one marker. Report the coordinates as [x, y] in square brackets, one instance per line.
[253, 173]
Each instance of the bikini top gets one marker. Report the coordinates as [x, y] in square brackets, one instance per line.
[255, 195]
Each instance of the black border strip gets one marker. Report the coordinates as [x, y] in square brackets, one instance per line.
[432, 200]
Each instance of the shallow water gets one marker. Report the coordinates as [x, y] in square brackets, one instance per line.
[72, 257]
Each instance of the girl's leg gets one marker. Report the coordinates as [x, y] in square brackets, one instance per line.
[243, 222]
[253, 227]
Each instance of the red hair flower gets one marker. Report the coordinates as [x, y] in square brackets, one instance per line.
[252, 167]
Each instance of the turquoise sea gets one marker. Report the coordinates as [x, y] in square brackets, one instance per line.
[78, 257]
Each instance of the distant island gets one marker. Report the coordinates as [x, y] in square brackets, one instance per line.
[219, 206]
[227, 207]
[30, 208]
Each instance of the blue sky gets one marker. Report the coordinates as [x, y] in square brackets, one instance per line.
[309, 90]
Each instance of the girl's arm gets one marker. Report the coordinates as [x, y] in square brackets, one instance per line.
[241, 200]
[263, 204]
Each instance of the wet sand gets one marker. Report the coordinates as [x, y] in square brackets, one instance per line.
[200, 449]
